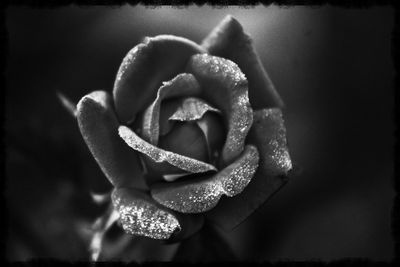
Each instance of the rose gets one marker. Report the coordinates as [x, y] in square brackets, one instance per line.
[201, 124]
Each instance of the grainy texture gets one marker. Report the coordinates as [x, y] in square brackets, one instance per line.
[183, 84]
[268, 134]
[203, 195]
[144, 69]
[225, 86]
[140, 215]
[160, 155]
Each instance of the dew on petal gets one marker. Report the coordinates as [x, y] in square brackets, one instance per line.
[139, 216]
[226, 86]
[203, 195]
[160, 155]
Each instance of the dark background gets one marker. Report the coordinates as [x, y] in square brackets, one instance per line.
[332, 67]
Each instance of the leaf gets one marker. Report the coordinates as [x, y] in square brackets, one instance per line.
[99, 127]
[268, 134]
[225, 86]
[228, 40]
[193, 196]
[145, 67]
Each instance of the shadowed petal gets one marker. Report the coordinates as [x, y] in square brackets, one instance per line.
[157, 170]
[160, 155]
[145, 67]
[228, 40]
[202, 195]
[182, 85]
[268, 134]
[99, 127]
[186, 139]
[140, 215]
[225, 86]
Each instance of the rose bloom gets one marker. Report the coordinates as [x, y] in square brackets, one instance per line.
[201, 125]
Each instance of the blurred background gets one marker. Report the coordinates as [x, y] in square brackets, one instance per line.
[332, 67]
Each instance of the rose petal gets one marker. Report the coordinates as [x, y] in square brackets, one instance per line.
[225, 86]
[203, 195]
[214, 134]
[99, 127]
[168, 108]
[160, 155]
[269, 126]
[173, 177]
[268, 134]
[192, 109]
[145, 67]
[228, 40]
[186, 139]
[182, 85]
[140, 215]
[156, 170]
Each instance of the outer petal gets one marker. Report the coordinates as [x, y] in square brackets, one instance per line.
[228, 40]
[225, 86]
[99, 127]
[204, 194]
[182, 85]
[160, 155]
[140, 215]
[145, 67]
[268, 134]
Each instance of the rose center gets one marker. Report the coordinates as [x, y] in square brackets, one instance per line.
[190, 127]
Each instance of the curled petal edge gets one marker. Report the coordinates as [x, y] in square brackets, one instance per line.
[228, 40]
[140, 215]
[98, 125]
[159, 155]
[183, 84]
[204, 194]
[225, 86]
[192, 109]
[268, 134]
[145, 67]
